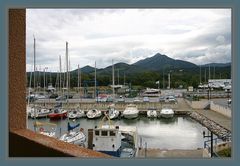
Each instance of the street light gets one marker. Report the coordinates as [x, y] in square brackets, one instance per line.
[209, 136]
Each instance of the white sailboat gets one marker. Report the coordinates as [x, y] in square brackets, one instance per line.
[76, 113]
[94, 113]
[112, 112]
[74, 137]
[131, 111]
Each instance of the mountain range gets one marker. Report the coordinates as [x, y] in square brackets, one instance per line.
[156, 63]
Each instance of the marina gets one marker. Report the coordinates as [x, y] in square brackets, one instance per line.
[158, 133]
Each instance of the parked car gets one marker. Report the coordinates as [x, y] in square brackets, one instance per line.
[109, 99]
[64, 97]
[171, 99]
[53, 96]
[136, 100]
[145, 99]
[162, 99]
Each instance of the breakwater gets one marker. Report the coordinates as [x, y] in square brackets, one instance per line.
[212, 126]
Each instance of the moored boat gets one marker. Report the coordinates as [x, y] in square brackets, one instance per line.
[152, 113]
[38, 112]
[74, 137]
[167, 113]
[112, 112]
[76, 113]
[94, 113]
[58, 113]
[108, 139]
[131, 111]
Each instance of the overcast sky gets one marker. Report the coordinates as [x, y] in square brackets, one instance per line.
[199, 36]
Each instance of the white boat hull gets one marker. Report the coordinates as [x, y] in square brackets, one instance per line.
[94, 115]
[166, 113]
[130, 116]
[77, 138]
[151, 113]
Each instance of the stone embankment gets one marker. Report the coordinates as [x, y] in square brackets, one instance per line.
[212, 126]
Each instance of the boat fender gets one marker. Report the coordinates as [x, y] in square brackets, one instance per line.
[41, 129]
[113, 145]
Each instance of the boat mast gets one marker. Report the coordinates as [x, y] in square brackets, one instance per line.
[78, 85]
[113, 82]
[95, 85]
[60, 66]
[67, 68]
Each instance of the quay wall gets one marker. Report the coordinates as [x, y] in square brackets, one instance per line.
[119, 106]
[221, 109]
[198, 104]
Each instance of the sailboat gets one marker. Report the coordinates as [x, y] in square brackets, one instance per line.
[74, 137]
[48, 129]
[38, 112]
[94, 113]
[77, 112]
[58, 112]
[112, 112]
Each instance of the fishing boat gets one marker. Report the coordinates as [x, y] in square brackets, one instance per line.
[112, 112]
[94, 113]
[58, 113]
[76, 113]
[74, 137]
[48, 129]
[152, 113]
[131, 111]
[38, 112]
[167, 113]
[107, 138]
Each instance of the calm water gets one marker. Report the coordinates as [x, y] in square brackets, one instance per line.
[177, 133]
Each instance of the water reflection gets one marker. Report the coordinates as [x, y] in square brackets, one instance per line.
[177, 133]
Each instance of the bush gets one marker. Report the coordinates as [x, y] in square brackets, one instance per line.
[225, 153]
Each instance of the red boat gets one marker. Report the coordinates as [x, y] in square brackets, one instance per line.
[58, 113]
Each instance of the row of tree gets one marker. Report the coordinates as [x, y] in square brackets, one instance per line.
[179, 78]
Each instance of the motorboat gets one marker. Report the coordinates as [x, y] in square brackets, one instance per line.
[167, 113]
[94, 113]
[112, 112]
[58, 113]
[48, 129]
[108, 139]
[131, 111]
[76, 113]
[152, 113]
[74, 137]
[38, 112]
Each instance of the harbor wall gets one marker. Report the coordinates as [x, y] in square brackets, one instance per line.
[198, 104]
[119, 106]
[221, 109]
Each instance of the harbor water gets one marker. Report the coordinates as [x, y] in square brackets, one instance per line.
[180, 132]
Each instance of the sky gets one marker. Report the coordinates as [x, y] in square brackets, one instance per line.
[199, 36]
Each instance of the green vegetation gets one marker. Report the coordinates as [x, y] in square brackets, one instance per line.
[183, 78]
[225, 153]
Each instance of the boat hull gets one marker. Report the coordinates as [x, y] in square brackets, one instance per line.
[57, 116]
[166, 115]
[130, 116]
[112, 153]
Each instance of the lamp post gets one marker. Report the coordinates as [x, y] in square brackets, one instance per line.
[209, 136]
